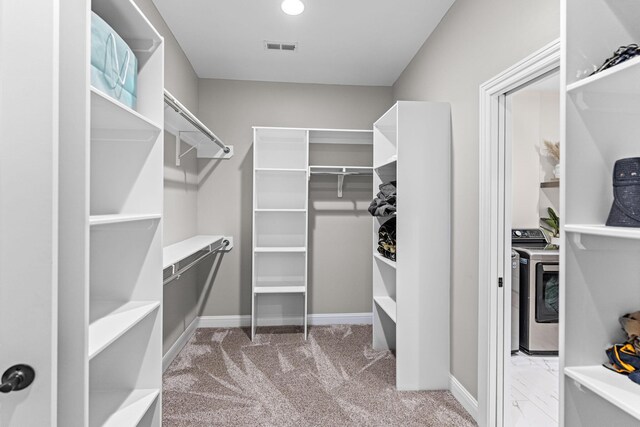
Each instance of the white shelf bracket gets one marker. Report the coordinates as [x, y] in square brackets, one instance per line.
[577, 240]
[340, 184]
[180, 155]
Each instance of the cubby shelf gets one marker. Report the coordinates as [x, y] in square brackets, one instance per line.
[613, 80]
[112, 115]
[388, 305]
[384, 260]
[281, 210]
[120, 218]
[388, 163]
[615, 388]
[280, 289]
[114, 319]
[121, 408]
[282, 249]
[603, 230]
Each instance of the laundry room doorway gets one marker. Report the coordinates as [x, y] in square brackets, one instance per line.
[519, 111]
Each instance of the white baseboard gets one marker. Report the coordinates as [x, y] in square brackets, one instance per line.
[313, 319]
[463, 396]
[179, 344]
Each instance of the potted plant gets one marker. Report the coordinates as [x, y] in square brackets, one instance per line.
[552, 225]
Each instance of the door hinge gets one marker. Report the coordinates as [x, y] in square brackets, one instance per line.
[499, 282]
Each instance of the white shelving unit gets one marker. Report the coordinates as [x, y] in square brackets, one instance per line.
[280, 160]
[599, 264]
[280, 211]
[411, 145]
[110, 356]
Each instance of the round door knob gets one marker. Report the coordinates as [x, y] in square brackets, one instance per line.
[16, 378]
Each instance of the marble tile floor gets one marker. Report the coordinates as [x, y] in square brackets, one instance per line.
[535, 391]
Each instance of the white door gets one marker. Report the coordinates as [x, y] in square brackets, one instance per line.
[28, 206]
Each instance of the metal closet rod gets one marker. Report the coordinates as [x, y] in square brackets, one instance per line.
[176, 274]
[182, 110]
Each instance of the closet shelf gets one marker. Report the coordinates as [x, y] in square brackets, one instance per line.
[114, 319]
[615, 388]
[179, 121]
[109, 115]
[120, 218]
[281, 249]
[341, 136]
[615, 80]
[340, 172]
[280, 210]
[388, 305]
[279, 289]
[384, 260]
[175, 253]
[132, 405]
[388, 164]
[603, 230]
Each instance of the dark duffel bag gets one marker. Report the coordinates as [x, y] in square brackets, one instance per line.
[625, 211]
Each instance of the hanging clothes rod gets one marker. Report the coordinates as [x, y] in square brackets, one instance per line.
[176, 273]
[184, 112]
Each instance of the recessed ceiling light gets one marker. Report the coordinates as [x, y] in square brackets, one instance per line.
[292, 7]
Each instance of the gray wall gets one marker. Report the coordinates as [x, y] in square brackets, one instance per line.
[180, 182]
[230, 108]
[476, 40]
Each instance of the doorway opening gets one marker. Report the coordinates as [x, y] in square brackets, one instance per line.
[517, 185]
[532, 121]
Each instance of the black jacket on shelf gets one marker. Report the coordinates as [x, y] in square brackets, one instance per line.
[385, 202]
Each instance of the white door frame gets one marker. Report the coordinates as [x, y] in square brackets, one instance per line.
[494, 230]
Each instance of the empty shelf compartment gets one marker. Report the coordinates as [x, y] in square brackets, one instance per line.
[280, 189]
[278, 148]
[388, 305]
[121, 407]
[280, 229]
[110, 320]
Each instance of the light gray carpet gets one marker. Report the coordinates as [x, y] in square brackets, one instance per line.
[334, 378]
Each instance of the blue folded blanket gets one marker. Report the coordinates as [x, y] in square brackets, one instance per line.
[114, 67]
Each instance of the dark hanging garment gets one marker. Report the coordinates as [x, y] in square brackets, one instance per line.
[385, 202]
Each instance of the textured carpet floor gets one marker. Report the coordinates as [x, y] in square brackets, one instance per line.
[334, 378]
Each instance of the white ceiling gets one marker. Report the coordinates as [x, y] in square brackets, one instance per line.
[354, 42]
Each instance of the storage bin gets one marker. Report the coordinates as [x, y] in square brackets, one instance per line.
[114, 67]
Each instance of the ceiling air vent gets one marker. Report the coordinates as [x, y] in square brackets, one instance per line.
[281, 46]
